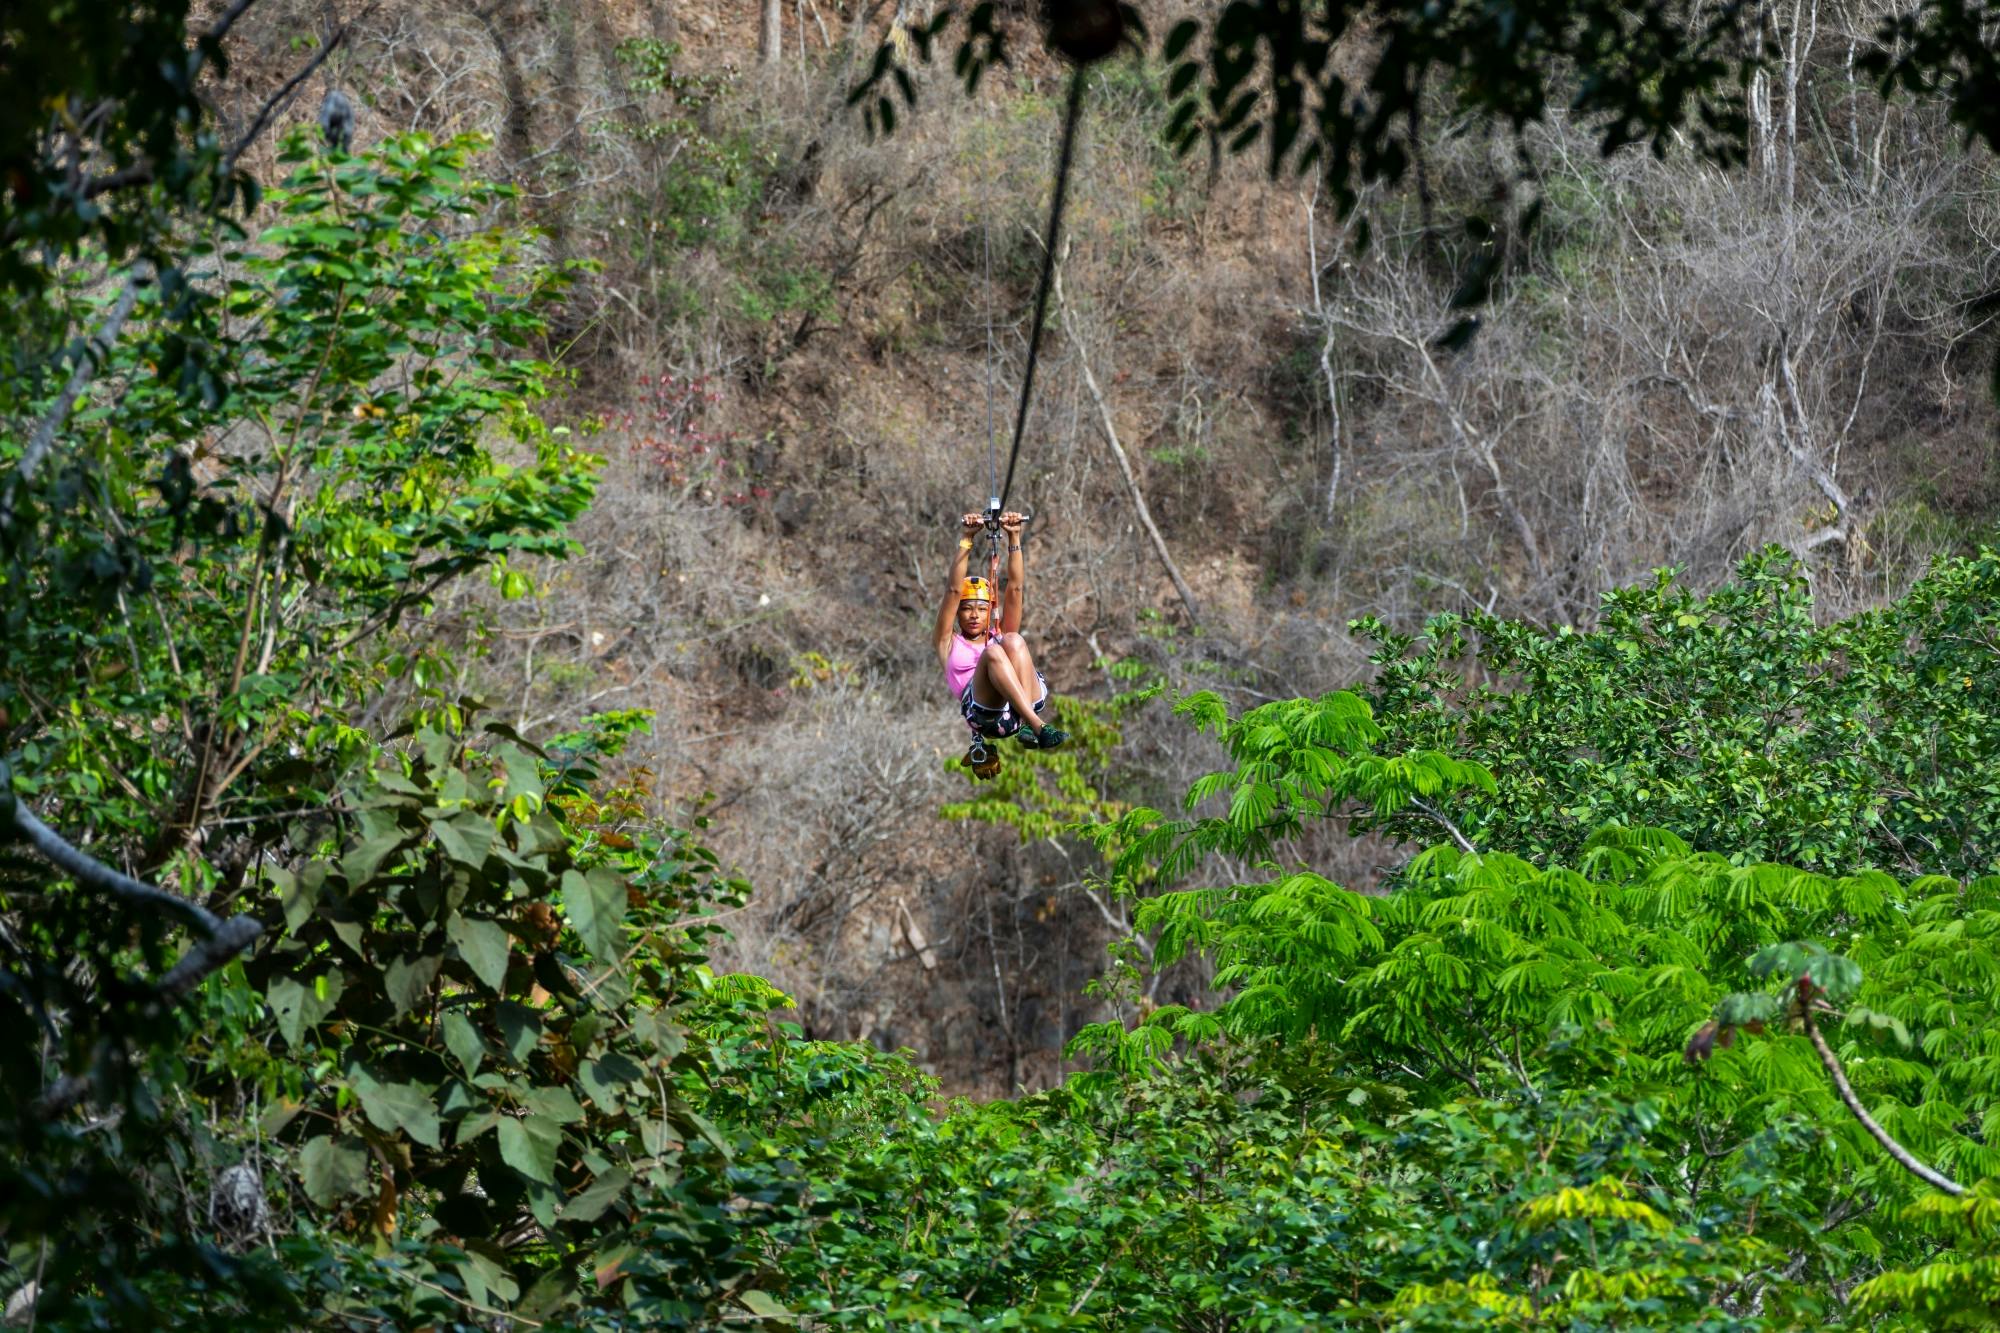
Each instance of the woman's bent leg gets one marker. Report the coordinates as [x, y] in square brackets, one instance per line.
[1023, 663]
[995, 681]
[1022, 667]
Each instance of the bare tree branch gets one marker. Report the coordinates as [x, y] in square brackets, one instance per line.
[282, 98]
[95, 350]
[220, 28]
[144, 173]
[220, 940]
[1437, 816]
[139, 173]
[1903, 1156]
[231, 938]
[94, 874]
[1110, 432]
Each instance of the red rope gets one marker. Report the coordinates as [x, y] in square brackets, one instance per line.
[992, 600]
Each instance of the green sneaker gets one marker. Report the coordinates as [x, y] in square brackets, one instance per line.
[1049, 738]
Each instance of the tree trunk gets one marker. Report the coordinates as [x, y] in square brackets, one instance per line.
[1110, 432]
[770, 33]
[666, 23]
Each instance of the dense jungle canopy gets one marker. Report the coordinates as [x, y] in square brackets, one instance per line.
[1514, 493]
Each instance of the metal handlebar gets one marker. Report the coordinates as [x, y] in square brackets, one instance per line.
[993, 515]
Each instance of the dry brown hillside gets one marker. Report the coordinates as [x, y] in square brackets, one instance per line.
[782, 349]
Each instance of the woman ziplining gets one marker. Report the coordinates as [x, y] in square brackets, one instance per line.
[987, 665]
[992, 674]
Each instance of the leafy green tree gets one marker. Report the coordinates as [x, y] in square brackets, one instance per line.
[191, 618]
[1734, 718]
[189, 644]
[1485, 980]
[494, 1031]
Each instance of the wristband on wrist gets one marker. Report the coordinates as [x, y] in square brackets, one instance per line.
[965, 543]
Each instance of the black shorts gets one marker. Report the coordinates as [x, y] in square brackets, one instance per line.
[997, 722]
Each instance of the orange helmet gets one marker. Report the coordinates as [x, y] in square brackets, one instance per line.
[976, 590]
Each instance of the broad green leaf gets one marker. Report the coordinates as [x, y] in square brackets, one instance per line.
[658, 1028]
[278, 1115]
[300, 1005]
[473, 1126]
[556, 1104]
[687, 1118]
[524, 774]
[407, 1107]
[545, 1206]
[483, 1277]
[599, 1195]
[297, 894]
[457, 1100]
[603, 1077]
[465, 838]
[462, 1039]
[520, 1029]
[764, 1305]
[364, 858]
[484, 945]
[409, 979]
[595, 904]
[530, 1145]
[352, 934]
[333, 1169]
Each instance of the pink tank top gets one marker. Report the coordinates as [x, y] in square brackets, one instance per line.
[962, 662]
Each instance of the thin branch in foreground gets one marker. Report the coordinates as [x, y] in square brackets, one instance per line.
[145, 173]
[1903, 1156]
[281, 98]
[210, 955]
[1443, 820]
[95, 350]
[220, 28]
[220, 940]
[94, 874]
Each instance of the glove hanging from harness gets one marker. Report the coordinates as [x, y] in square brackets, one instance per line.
[982, 759]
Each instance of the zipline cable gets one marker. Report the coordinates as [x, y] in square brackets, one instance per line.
[992, 444]
[992, 440]
[1063, 161]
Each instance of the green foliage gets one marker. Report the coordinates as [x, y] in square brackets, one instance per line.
[1960, 1286]
[1045, 793]
[1480, 967]
[195, 602]
[1298, 761]
[1733, 719]
[191, 613]
[1562, 1076]
[1607, 975]
[1244, 1188]
[105, 147]
[493, 1026]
